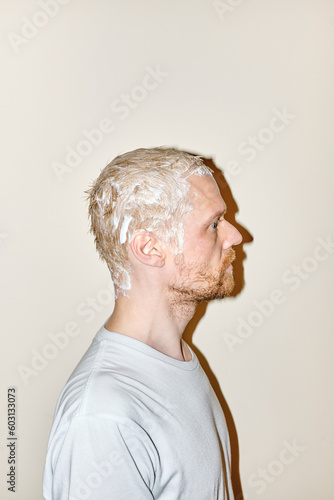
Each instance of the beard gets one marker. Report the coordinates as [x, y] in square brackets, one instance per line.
[195, 284]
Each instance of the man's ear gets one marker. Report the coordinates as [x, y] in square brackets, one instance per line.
[146, 247]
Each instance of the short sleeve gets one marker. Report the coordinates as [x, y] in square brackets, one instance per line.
[101, 458]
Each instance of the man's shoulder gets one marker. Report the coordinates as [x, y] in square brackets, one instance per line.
[97, 388]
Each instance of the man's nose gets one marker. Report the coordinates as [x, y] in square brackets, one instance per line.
[233, 236]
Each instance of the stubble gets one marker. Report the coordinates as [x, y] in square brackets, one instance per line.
[195, 284]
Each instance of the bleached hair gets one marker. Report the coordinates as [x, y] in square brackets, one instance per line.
[144, 189]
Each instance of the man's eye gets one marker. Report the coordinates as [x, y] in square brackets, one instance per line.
[214, 225]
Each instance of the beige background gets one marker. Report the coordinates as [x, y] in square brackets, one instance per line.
[226, 69]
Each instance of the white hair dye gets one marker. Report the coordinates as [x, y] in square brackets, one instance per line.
[116, 221]
[124, 229]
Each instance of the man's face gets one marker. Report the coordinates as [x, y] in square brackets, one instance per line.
[203, 271]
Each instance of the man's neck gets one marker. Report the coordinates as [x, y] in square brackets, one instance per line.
[151, 318]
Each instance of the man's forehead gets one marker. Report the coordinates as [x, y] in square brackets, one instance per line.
[204, 193]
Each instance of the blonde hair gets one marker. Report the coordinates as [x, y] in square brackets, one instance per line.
[143, 189]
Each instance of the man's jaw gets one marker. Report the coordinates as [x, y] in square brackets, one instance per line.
[195, 285]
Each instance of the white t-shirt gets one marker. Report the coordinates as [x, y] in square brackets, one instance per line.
[135, 424]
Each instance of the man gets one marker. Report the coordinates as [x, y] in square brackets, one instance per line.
[138, 419]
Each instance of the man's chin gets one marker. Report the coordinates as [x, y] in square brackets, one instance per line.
[229, 284]
[224, 290]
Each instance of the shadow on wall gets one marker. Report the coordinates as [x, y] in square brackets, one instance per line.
[238, 272]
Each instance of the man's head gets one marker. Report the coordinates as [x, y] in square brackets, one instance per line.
[145, 189]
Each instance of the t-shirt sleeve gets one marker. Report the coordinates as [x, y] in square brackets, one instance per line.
[102, 458]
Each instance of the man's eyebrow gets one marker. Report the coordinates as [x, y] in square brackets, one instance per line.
[217, 214]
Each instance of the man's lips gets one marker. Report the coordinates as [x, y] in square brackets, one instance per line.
[231, 259]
